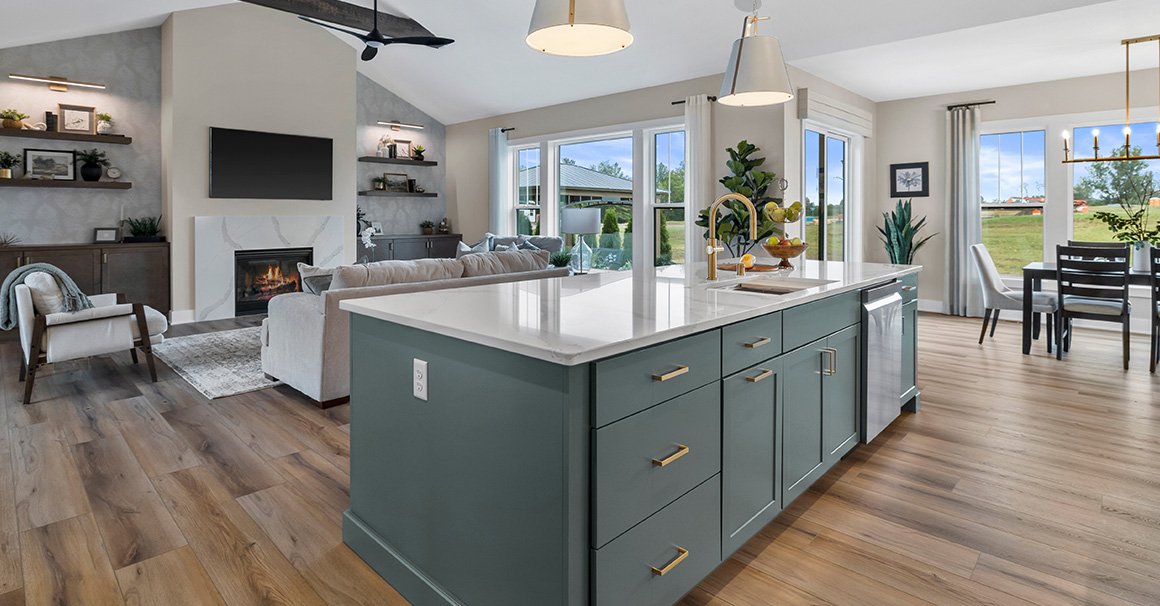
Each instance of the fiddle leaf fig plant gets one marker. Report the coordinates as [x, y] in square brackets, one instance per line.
[747, 180]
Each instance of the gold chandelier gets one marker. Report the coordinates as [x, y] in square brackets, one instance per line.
[1127, 115]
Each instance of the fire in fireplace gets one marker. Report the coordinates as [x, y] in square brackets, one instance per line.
[261, 275]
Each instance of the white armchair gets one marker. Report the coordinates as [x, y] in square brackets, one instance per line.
[110, 326]
[997, 296]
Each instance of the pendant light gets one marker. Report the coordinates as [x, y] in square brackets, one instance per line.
[756, 74]
[579, 28]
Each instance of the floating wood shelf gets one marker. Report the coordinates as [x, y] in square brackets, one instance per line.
[378, 160]
[65, 184]
[41, 134]
[397, 194]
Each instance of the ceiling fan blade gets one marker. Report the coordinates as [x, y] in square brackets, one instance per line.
[359, 35]
[432, 41]
[369, 53]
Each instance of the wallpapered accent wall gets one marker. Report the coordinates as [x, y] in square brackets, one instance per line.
[129, 64]
[400, 215]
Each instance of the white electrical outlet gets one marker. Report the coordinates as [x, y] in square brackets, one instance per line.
[420, 379]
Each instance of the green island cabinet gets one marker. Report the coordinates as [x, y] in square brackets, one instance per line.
[911, 398]
[623, 481]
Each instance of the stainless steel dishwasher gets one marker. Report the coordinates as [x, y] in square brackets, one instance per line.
[881, 357]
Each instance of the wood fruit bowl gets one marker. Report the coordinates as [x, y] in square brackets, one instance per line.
[785, 253]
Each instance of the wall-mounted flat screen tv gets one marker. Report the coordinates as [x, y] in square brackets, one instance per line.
[249, 164]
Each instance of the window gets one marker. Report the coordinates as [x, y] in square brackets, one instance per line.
[599, 174]
[528, 196]
[1011, 191]
[1113, 187]
[669, 198]
[826, 194]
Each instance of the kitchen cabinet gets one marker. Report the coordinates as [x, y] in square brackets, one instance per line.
[407, 248]
[910, 398]
[841, 401]
[750, 461]
[801, 444]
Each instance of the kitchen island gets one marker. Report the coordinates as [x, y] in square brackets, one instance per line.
[600, 439]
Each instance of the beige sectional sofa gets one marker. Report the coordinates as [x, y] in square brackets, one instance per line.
[306, 338]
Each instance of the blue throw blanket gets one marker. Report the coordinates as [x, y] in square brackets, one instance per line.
[74, 299]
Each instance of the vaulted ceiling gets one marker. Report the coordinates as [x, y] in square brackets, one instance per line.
[886, 49]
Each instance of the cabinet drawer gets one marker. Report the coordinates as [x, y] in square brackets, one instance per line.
[812, 321]
[750, 342]
[909, 288]
[648, 460]
[632, 382]
[623, 569]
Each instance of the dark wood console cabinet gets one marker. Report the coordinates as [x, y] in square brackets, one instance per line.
[139, 271]
[406, 248]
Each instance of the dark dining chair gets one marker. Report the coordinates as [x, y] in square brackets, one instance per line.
[1154, 268]
[1093, 285]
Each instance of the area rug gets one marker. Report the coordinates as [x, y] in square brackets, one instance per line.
[218, 364]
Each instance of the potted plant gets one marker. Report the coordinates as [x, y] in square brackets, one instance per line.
[8, 239]
[385, 142]
[104, 124]
[145, 229]
[417, 152]
[560, 259]
[900, 232]
[428, 227]
[11, 118]
[1131, 186]
[745, 179]
[7, 163]
[91, 162]
[380, 183]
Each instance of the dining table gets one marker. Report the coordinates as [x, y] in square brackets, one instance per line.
[1033, 276]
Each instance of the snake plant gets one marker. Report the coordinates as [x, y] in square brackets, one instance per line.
[900, 233]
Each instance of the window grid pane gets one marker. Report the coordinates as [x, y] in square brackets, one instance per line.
[1113, 187]
[1011, 190]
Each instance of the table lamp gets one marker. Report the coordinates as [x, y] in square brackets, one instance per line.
[582, 222]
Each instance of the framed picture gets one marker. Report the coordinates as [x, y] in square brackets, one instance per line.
[402, 148]
[106, 235]
[910, 180]
[50, 164]
[378, 227]
[397, 182]
[77, 119]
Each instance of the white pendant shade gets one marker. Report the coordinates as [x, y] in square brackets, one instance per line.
[756, 74]
[579, 28]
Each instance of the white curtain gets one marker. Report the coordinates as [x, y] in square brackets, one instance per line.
[964, 220]
[499, 170]
[700, 182]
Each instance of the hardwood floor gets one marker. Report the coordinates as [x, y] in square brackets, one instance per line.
[1024, 480]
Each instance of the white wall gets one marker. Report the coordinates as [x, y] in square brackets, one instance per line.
[914, 130]
[776, 130]
[247, 67]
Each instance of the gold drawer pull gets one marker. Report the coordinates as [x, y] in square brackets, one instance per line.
[682, 450]
[759, 343]
[672, 375]
[909, 288]
[765, 374]
[682, 553]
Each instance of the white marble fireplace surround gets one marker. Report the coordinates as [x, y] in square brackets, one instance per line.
[216, 238]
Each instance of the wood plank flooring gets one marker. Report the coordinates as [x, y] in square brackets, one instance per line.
[1024, 480]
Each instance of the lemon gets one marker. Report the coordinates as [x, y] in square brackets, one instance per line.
[748, 260]
[796, 242]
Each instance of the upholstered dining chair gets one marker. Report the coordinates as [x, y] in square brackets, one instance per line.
[1154, 267]
[997, 296]
[56, 336]
[1093, 285]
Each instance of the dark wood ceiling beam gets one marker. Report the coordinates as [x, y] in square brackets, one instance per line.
[350, 15]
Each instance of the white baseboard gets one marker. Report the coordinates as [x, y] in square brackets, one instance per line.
[931, 306]
[182, 316]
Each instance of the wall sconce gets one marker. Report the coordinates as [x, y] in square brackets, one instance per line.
[396, 125]
[57, 83]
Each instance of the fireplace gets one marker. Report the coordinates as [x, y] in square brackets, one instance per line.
[261, 275]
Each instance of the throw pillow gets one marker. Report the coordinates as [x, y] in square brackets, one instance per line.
[46, 295]
[478, 247]
[548, 243]
[506, 247]
[506, 241]
[526, 245]
[315, 279]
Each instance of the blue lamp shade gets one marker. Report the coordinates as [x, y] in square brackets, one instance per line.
[580, 221]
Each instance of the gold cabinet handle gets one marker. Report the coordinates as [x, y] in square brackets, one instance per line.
[759, 343]
[910, 288]
[829, 370]
[672, 375]
[765, 374]
[682, 450]
[682, 553]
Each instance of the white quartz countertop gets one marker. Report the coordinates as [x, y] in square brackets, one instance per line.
[581, 319]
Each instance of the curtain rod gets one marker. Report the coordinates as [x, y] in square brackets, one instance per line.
[682, 101]
[504, 130]
[973, 104]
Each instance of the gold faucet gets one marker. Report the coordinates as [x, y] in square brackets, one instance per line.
[713, 248]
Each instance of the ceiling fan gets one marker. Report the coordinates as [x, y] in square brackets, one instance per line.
[376, 40]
